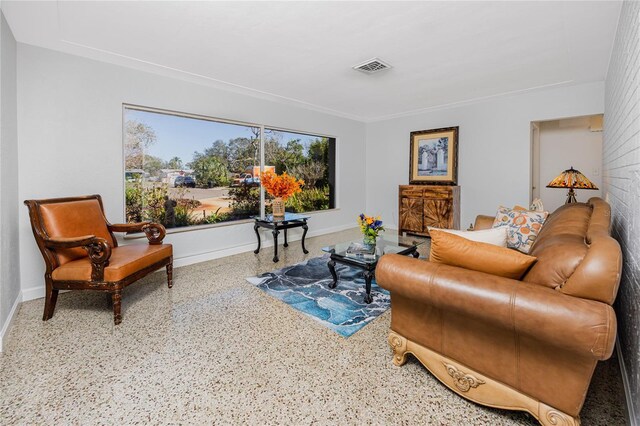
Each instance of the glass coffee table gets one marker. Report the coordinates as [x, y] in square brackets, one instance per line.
[386, 244]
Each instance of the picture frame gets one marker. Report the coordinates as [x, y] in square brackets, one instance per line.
[433, 157]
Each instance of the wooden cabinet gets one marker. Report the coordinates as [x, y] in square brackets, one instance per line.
[421, 206]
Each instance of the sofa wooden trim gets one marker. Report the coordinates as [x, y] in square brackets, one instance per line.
[475, 386]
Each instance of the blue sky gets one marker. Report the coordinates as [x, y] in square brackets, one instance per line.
[181, 136]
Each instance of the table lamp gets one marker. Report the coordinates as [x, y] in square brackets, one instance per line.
[571, 178]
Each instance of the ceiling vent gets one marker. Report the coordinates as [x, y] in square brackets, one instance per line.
[372, 66]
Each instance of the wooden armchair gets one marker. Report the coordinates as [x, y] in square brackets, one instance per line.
[81, 253]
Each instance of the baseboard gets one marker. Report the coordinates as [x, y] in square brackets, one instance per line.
[243, 248]
[631, 414]
[37, 292]
[9, 323]
[31, 293]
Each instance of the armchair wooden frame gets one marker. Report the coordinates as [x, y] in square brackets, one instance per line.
[99, 251]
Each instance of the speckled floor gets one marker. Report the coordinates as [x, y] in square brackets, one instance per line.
[215, 349]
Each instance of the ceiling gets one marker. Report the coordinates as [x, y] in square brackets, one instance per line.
[442, 53]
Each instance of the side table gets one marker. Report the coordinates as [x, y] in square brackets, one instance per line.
[277, 224]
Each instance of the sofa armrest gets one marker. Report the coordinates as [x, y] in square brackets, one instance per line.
[483, 222]
[127, 227]
[581, 325]
[97, 248]
[154, 231]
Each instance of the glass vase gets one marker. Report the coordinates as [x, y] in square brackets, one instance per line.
[369, 240]
[278, 207]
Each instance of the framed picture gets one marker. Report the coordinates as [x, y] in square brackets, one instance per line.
[434, 157]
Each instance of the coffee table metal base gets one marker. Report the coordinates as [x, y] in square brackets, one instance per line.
[369, 271]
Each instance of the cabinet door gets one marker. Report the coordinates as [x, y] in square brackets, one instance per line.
[437, 213]
[411, 214]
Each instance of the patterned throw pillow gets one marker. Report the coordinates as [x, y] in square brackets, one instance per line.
[523, 226]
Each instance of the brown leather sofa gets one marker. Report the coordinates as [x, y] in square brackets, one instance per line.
[528, 345]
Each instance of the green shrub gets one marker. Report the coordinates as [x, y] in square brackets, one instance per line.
[147, 203]
[182, 217]
[153, 202]
[309, 200]
[210, 172]
[245, 201]
[184, 210]
[144, 203]
[133, 200]
[216, 217]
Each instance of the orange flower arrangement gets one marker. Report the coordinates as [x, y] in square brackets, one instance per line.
[281, 186]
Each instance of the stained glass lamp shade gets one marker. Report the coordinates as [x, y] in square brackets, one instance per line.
[572, 179]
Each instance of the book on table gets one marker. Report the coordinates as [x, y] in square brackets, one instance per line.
[361, 251]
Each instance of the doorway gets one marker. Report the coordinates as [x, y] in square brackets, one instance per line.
[557, 145]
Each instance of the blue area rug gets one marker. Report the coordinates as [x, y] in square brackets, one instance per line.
[305, 287]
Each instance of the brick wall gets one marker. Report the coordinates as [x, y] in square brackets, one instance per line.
[621, 177]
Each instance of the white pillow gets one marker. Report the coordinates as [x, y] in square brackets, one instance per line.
[495, 236]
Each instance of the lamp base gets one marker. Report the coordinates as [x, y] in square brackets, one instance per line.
[571, 197]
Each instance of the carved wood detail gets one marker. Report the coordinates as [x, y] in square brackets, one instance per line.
[462, 380]
[475, 386]
[421, 206]
[399, 346]
[552, 417]
[437, 213]
[411, 213]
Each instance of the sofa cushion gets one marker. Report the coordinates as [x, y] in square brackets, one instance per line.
[457, 251]
[576, 254]
[522, 226]
[560, 246]
[495, 236]
[124, 261]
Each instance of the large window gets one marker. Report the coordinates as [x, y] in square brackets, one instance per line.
[307, 157]
[183, 170]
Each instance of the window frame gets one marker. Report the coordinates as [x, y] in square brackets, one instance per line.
[333, 175]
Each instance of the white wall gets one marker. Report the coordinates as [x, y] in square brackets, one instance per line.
[569, 143]
[621, 175]
[9, 242]
[70, 127]
[494, 148]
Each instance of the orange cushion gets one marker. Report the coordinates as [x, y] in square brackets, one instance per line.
[74, 219]
[458, 251]
[124, 261]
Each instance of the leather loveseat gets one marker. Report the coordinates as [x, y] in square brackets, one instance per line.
[529, 344]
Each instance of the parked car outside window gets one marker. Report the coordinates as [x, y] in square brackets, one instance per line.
[186, 181]
[246, 179]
